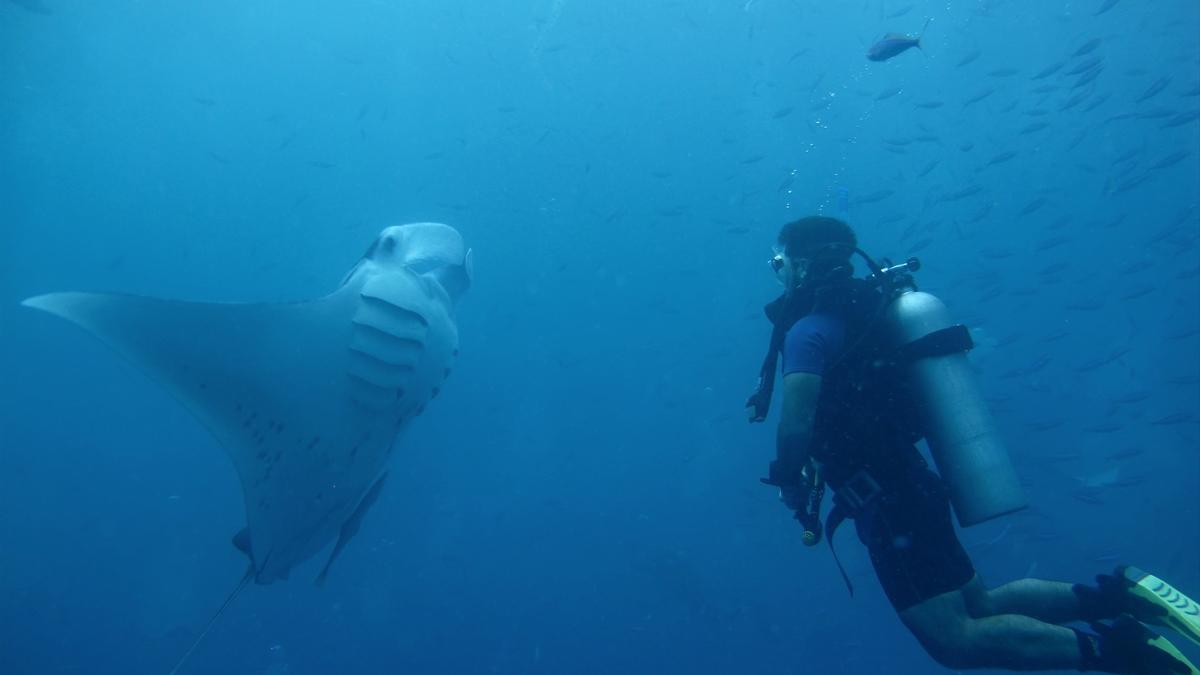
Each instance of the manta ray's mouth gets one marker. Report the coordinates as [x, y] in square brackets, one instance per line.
[455, 277]
[425, 265]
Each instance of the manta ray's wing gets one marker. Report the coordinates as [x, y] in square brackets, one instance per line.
[305, 397]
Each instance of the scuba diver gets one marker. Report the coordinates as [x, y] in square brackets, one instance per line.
[871, 366]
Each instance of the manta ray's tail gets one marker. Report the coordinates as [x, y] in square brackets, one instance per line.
[238, 589]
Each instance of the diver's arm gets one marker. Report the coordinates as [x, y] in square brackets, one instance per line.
[796, 419]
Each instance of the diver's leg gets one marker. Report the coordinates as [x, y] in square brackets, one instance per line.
[929, 579]
[1128, 590]
[1049, 601]
[954, 634]
[955, 639]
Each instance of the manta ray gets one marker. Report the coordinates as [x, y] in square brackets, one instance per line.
[307, 398]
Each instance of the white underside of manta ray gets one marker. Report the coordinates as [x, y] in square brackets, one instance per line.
[308, 397]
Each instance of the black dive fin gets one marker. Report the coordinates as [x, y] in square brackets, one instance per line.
[351, 526]
[238, 589]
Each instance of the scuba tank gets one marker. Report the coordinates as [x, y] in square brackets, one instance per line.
[962, 437]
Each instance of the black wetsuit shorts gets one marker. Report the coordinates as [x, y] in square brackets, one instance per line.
[913, 546]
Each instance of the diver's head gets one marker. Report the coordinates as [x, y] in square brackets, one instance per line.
[813, 249]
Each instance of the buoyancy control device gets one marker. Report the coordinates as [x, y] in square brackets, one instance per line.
[954, 418]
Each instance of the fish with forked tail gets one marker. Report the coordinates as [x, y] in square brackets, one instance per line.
[894, 44]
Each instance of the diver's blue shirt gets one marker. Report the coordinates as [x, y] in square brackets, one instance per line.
[813, 343]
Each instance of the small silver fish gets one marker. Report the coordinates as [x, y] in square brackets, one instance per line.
[894, 44]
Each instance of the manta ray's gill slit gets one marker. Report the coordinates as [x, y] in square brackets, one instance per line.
[386, 361]
[384, 345]
[387, 375]
[396, 314]
[374, 391]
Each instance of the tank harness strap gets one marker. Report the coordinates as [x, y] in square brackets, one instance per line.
[848, 502]
[760, 400]
[948, 340]
[835, 518]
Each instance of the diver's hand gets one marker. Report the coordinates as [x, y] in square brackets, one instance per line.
[793, 488]
[756, 407]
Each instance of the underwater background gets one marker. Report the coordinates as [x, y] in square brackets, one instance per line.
[584, 496]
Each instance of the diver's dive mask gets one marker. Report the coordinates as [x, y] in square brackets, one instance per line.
[789, 272]
[777, 261]
[820, 259]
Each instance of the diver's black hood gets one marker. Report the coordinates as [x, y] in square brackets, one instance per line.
[829, 294]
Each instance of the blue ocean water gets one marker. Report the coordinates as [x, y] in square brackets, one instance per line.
[583, 497]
